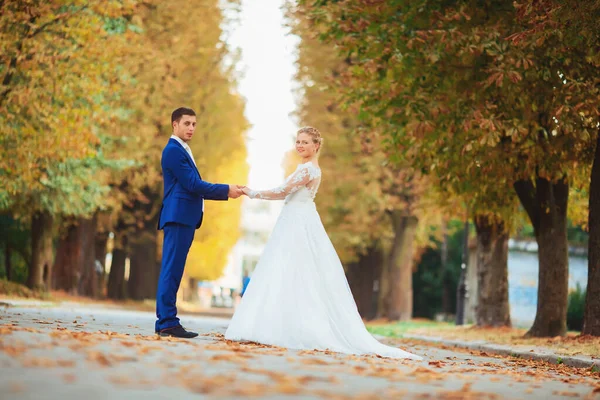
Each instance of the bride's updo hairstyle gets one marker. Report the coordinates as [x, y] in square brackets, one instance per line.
[314, 133]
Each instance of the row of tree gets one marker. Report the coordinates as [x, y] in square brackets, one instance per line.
[437, 110]
[85, 100]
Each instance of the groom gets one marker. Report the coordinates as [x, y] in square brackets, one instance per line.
[181, 214]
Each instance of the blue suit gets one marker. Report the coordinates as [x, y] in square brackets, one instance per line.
[180, 215]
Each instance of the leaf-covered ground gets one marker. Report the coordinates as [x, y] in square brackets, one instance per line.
[572, 344]
[79, 351]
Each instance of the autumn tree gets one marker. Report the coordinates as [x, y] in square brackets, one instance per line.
[58, 75]
[442, 81]
[87, 88]
[572, 28]
[180, 64]
[374, 210]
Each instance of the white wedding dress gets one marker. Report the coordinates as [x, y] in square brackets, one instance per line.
[298, 296]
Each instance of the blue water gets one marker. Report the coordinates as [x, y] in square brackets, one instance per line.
[523, 283]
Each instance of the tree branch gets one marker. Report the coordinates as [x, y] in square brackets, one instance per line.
[527, 195]
[57, 19]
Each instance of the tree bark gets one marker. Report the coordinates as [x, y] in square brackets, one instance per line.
[446, 287]
[69, 257]
[143, 274]
[8, 261]
[362, 275]
[383, 297]
[591, 315]
[546, 204]
[144, 266]
[401, 267]
[41, 251]
[192, 296]
[88, 285]
[492, 273]
[116, 278]
[472, 283]
[100, 243]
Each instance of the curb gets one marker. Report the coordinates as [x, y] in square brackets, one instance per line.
[537, 354]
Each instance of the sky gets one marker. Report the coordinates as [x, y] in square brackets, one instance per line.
[268, 67]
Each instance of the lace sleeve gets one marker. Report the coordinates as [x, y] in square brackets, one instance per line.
[292, 184]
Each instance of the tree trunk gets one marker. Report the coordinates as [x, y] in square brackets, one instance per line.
[193, 291]
[492, 273]
[69, 258]
[8, 261]
[116, 278]
[401, 267]
[41, 251]
[546, 205]
[100, 243]
[445, 273]
[143, 276]
[361, 279]
[591, 315]
[144, 268]
[88, 285]
[472, 282]
[383, 297]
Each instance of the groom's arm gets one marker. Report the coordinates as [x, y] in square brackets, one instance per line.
[217, 196]
[176, 162]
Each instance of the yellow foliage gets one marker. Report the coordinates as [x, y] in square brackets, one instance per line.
[188, 58]
[58, 66]
[220, 228]
[177, 64]
[291, 159]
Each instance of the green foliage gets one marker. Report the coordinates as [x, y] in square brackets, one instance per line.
[428, 281]
[489, 100]
[19, 269]
[459, 101]
[575, 309]
[15, 235]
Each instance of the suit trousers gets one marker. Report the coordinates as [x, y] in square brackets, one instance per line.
[176, 245]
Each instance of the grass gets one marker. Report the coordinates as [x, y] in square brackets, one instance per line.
[399, 329]
[572, 344]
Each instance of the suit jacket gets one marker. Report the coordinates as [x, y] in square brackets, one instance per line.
[184, 189]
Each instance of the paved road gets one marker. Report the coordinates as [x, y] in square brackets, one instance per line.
[88, 352]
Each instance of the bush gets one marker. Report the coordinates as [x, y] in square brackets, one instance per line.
[12, 289]
[575, 309]
[428, 281]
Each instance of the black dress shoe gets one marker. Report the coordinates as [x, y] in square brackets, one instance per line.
[177, 331]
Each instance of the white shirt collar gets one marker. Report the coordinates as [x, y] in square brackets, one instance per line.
[181, 142]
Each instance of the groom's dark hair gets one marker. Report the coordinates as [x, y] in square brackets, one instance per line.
[180, 112]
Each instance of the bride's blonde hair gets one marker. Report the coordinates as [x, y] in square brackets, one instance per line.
[314, 133]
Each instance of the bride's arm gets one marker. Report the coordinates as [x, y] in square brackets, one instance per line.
[294, 183]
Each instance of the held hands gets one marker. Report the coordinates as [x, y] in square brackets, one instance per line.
[246, 191]
[236, 191]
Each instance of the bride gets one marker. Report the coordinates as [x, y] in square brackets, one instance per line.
[298, 296]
